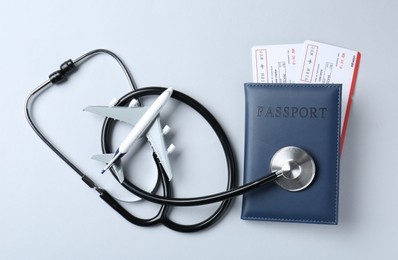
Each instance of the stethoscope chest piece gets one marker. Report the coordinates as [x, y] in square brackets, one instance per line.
[295, 167]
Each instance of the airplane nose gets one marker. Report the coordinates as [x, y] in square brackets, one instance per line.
[170, 90]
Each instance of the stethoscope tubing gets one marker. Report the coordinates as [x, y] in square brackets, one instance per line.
[167, 200]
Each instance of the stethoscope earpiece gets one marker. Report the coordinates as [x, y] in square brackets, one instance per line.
[295, 168]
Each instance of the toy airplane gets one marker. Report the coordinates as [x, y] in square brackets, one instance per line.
[145, 121]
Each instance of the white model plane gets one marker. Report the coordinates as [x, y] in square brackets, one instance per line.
[145, 121]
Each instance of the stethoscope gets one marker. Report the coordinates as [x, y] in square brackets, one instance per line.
[291, 168]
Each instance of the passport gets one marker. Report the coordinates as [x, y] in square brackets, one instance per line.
[302, 115]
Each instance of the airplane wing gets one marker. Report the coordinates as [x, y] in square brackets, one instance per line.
[129, 115]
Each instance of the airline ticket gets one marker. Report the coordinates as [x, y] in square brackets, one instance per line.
[323, 63]
[275, 63]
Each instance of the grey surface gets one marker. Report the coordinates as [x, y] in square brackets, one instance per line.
[203, 49]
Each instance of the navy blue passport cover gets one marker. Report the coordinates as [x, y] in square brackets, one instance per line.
[302, 115]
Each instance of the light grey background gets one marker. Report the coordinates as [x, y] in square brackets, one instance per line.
[201, 48]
